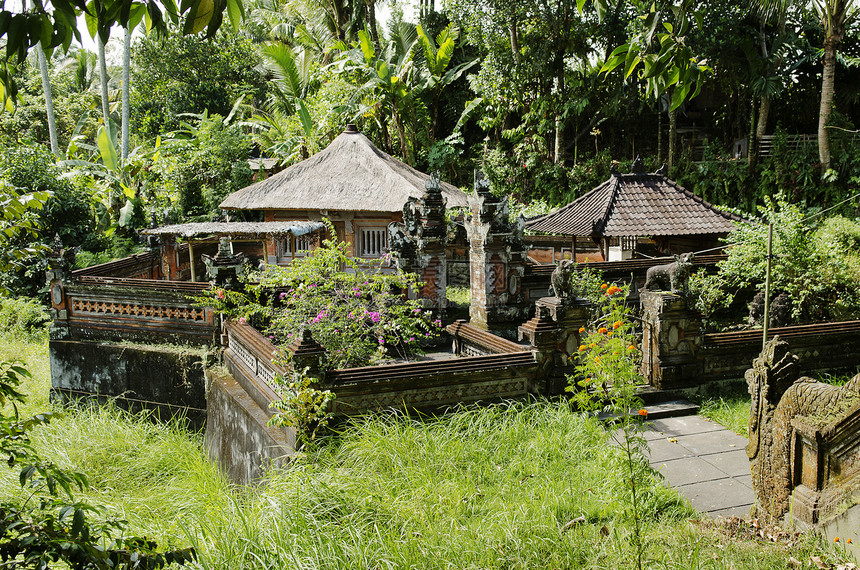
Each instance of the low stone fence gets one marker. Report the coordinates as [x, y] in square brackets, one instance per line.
[239, 438]
[119, 309]
[469, 340]
[503, 369]
[141, 266]
[677, 355]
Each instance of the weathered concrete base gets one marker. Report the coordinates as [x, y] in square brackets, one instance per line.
[238, 437]
[164, 378]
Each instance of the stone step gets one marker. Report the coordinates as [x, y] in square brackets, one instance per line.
[651, 395]
[660, 410]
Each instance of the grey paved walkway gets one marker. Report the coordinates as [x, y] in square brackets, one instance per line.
[705, 462]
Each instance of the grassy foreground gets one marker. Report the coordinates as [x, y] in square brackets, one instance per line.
[510, 486]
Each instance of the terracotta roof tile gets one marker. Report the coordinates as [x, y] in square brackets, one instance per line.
[636, 205]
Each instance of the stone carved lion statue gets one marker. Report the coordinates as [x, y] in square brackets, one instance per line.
[778, 395]
[670, 277]
[561, 279]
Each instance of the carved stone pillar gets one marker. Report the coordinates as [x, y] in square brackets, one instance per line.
[553, 335]
[671, 341]
[308, 354]
[419, 243]
[59, 272]
[496, 261]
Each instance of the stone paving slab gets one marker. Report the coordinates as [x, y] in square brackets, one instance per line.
[734, 463]
[665, 450]
[704, 462]
[685, 425]
[683, 471]
[712, 442]
[720, 494]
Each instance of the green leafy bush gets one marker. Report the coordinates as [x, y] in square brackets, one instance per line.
[814, 268]
[23, 318]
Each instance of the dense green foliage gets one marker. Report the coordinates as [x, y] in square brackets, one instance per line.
[526, 91]
[176, 74]
[816, 267]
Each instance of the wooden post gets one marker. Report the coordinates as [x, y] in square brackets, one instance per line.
[573, 249]
[191, 256]
[766, 317]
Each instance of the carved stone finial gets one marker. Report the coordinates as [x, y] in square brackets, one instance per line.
[662, 171]
[482, 183]
[638, 167]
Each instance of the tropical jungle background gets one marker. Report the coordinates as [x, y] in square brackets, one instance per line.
[157, 125]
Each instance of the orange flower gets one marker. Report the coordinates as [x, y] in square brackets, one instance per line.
[631, 347]
[610, 333]
[848, 541]
[643, 412]
[592, 345]
[581, 329]
[582, 348]
[602, 330]
[617, 325]
[604, 286]
[836, 539]
[597, 359]
[612, 290]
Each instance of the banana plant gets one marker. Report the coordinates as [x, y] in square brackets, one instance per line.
[390, 88]
[437, 58]
[118, 182]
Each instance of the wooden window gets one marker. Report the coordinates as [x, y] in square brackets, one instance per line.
[373, 242]
[628, 243]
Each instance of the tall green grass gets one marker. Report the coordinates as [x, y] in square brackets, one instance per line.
[510, 486]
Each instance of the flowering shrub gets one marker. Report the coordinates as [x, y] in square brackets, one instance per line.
[357, 309]
[607, 378]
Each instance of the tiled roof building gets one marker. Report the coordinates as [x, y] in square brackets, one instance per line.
[635, 205]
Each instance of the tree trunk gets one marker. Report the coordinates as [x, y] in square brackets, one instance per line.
[659, 131]
[49, 100]
[827, 89]
[673, 130]
[371, 22]
[559, 121]
[103, 82]
[515, 42]
[126, 56]
[760, 129]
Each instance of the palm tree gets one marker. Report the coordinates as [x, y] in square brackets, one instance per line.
[835, 16]
[103, 80]
[436, 62]
[49, 100]
[126, 57]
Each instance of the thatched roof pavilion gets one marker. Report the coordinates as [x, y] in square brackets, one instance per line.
[351, 174]
[236, 229]
[634, 205]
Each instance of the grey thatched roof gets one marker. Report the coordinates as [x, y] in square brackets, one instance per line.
[236, 229]
[637, 204]
[350, 174]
